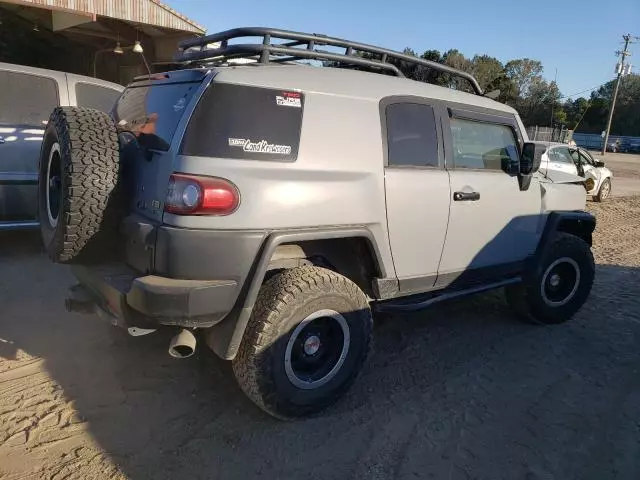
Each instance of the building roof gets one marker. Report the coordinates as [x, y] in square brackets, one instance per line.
[149, 12]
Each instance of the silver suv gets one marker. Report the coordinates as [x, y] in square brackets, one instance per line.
[27, 97]
[269, 208]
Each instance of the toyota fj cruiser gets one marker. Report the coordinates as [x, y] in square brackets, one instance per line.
[269, 207]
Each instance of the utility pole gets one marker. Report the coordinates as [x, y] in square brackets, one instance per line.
[623, 56]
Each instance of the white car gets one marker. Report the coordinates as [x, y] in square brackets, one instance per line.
[560, 157]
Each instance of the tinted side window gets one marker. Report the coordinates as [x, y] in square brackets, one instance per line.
[26, 99]
[95, 96]
[233, 121]
[485, 146]
[412, 137]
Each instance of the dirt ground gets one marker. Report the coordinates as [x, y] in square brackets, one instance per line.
[460, 391]
[626, 173]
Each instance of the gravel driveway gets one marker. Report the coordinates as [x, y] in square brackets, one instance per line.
[459, 391]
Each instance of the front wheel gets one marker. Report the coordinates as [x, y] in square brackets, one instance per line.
[306, 341]
[559, 285]
[604, 192]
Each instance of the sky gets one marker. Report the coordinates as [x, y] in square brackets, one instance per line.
[577, 37]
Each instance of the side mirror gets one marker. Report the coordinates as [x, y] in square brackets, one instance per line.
[530, 161]
[599, 163]
[531, 158]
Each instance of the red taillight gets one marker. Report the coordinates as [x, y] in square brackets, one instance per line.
[195, 195]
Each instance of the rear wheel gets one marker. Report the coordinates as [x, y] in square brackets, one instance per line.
[559, 285]
[79, 194]
[306, 341]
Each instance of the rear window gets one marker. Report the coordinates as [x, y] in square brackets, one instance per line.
[95, 96]
[152, 113]
[233, 121]
[26, 99]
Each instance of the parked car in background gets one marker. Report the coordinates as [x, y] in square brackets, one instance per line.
[27, 98]
[633, 146]
[560, 157]
[615, 146]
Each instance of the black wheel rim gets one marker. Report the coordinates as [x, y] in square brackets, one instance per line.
[54, 184]
[560, 282]
[316, 349]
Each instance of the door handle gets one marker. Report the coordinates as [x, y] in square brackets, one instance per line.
[466, 196]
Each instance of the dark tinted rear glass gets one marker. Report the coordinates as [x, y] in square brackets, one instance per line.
[26, 99]
[233, 121]
[95, 96]
[152, 113]
[411, 135]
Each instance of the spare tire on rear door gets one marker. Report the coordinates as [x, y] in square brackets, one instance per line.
[80, 199]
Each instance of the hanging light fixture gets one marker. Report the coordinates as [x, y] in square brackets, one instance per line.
[137, 47]
[118, 49]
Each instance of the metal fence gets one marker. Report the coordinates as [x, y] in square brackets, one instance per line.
[594, 140]
[549, 134]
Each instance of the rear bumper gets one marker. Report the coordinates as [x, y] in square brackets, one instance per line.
[131, 300]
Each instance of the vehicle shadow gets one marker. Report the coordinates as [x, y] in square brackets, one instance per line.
[461, 390]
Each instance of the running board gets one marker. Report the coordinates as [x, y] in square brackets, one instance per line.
[405, 306]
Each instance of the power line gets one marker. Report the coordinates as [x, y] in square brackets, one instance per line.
[585, 90]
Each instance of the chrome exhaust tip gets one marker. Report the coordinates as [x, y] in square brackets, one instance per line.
[183, 345]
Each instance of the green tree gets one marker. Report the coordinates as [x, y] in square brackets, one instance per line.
[487, 70]
[524, 73]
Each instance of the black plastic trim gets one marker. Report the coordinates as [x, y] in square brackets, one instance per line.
[148, 301]
[581, 223]
[193, 254]
[224, 339]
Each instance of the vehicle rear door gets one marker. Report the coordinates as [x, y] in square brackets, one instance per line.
[417, 189]
[26, 102]
[147, 116]
[493, 224]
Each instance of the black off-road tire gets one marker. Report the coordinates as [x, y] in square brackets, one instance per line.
[88, 191]
[603, 195]
[284, 301]
[527, 298]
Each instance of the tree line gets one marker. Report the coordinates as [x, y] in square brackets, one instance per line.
[538, 101]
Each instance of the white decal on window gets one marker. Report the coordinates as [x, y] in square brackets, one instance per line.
[287, 101]
[261, 146]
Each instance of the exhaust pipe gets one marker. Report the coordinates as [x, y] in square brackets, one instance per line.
[183, 345]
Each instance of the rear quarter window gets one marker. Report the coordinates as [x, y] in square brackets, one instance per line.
[152, 112]
[96, 96]
[233, 121]
[26, 99]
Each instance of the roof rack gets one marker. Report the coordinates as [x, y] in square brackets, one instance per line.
[293, 46]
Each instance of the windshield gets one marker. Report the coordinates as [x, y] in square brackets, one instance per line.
[152, 113]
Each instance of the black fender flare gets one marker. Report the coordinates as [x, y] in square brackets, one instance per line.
[224, 338]
[578, 223]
